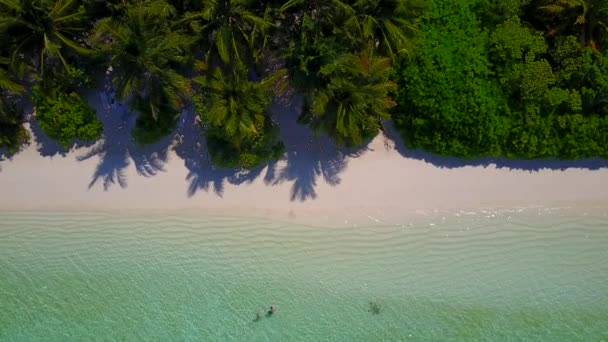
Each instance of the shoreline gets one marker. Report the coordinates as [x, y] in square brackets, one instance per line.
[315, 181]
[336, 219]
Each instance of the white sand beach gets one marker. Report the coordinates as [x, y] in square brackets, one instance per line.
[379, 182]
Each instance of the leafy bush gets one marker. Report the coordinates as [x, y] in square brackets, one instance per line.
[12, 133]
[447, 102]
[500, 87]
[65, 116]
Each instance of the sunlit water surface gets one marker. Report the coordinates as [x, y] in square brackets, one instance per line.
[512, 275]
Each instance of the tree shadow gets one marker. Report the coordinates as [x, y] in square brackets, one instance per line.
[48, 147]
[395, 141]
[117, 149]
[190, 145]
[308, 158]
[4, 155]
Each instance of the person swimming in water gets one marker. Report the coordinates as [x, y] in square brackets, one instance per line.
[272, 310]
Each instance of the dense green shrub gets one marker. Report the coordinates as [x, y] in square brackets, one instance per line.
[12, 133]
[65, 116]
[491, 85]
[447, 101]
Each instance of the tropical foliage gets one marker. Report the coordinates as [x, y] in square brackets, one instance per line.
[65, 116]
[234, 111]
[470, 78]
[12, 132]
[353, 99]
[588, 17]
[229, 30]
[145, 52]
[516, 85]
[40, 31]
[388, 23]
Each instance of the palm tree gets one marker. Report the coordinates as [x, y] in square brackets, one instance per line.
[8, 87]
[387, 24]
[12, 133]
[229, 30]
[319, 10]
[305, 16]
[144, 51]
[42, 28]
[6, 83]
[236, 105]
[307, 55]
[352, 104]
[183, 6]
[308, 38]
[591, 15]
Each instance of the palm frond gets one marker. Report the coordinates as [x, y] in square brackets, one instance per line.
[15, 5]
[8, 84]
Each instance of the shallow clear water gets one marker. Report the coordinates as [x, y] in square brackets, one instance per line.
[513, 275]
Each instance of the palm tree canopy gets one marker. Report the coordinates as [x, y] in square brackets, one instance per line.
[42, 28]
[236, 104]
[387, 24]
[143, 50]
[227, 27]
[7, 84]
[355, 99]
[321, 16]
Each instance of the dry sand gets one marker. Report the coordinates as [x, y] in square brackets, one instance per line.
[381, 182]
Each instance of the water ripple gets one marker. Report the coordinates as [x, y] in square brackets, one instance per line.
[490, 275]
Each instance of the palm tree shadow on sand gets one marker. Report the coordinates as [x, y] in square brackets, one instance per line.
[395, 141]
[116, 150]
[305, 162]
[202, 175]
[48, 147]
[308, 159]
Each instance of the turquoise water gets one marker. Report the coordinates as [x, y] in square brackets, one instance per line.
[507, 276]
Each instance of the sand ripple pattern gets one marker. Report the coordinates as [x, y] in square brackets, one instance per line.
[512, 275]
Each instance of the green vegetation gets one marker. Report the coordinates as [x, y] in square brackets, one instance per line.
[352, 99]
[39, 31]
[142, 47]
[12, 133]
[518, 79]
[65, 116]
[234, 110]
[470, 78]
